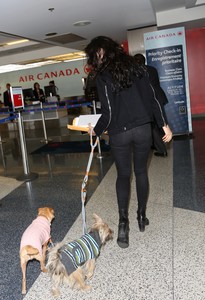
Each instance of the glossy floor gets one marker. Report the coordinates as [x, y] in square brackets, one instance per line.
[165, 262]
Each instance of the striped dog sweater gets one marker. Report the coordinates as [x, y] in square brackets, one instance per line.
[76, 253]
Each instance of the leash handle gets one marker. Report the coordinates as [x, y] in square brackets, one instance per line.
[91, 140]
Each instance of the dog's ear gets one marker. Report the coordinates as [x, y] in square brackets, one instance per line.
[97, 218]
[105, 233]
[41, 211]
[51, 213]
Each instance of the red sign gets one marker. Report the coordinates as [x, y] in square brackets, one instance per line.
[17, 97]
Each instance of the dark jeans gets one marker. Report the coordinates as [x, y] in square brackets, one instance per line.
[132, 144]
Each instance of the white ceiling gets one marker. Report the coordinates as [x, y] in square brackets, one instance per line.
[34, 19]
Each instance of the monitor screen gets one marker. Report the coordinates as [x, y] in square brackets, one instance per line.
[28, 94]
[50, 90]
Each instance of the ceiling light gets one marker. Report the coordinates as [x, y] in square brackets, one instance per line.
[73, 56]
[67, 56]
[17, 67]
[82, 23]
[73, 59]
[17, 42]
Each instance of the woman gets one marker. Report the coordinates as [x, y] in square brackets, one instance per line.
[38, 92]
[129, 106]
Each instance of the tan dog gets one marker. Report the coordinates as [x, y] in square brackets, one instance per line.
[74, 262]
[34, 241]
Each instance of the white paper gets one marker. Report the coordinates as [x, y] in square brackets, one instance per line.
[84, 120]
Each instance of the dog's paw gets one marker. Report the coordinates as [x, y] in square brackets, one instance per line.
[55, 292]
[44, 270]
[87, 287]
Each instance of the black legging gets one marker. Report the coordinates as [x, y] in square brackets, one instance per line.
[134, 143]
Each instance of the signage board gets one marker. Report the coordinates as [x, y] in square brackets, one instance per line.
[17, 97]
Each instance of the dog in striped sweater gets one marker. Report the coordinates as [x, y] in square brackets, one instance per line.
[74, 262]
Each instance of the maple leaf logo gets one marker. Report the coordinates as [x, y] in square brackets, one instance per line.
[87, 69]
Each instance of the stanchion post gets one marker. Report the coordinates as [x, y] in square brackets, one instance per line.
[99, 147]
[1, 141]
[46, 140]
[27, 176]
[2, 153]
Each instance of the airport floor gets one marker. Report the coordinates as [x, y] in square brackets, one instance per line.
[166, 262]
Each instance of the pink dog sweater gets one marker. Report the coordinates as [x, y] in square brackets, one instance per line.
[37, 234]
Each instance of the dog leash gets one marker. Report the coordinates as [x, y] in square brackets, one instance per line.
[85, 180]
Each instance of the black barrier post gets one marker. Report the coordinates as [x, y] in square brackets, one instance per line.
[99, 148]
[27, 176]
[46, 140]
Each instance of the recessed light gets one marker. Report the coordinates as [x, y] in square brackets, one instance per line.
[82, 23]
[17, 42]
[50, 33]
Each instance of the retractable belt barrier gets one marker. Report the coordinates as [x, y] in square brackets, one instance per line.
[75, 103]
[5, 120]
[57, 106]
[27, 175]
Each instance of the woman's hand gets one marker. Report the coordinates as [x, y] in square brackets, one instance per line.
[168, 134]
[90, 129]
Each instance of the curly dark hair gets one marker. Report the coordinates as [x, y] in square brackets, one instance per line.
[122, 66]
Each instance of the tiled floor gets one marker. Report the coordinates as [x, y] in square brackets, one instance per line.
[165, 262]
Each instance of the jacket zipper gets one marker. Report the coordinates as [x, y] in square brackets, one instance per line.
[158, 104]
[109, 106]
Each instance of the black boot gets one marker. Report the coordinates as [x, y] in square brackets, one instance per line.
[142, 220]
[123, 229]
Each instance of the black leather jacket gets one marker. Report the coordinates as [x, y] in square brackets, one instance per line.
[129, 108]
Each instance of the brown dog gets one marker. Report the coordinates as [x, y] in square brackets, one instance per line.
[74, 262]
[34, 241]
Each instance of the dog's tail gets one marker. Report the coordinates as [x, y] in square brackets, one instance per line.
[55, 268]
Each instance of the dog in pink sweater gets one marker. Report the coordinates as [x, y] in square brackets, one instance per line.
[35, 240]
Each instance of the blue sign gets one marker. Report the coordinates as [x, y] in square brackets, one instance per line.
[165, 50]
